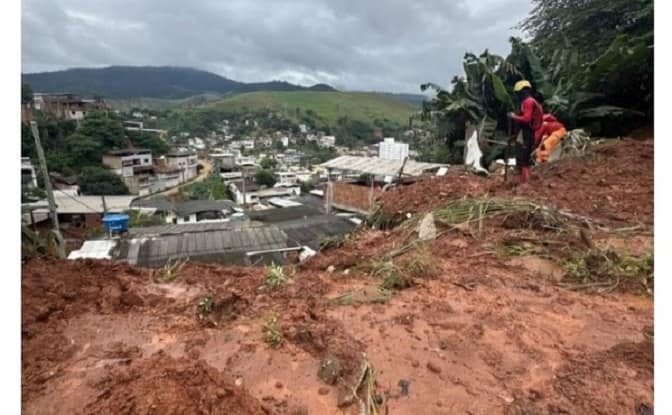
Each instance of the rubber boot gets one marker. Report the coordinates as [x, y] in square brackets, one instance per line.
[525, 175]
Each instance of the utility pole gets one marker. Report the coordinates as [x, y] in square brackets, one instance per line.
[50, 192]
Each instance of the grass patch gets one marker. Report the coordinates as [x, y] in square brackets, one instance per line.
[606, 270]
[204, 307]
[328, 242]
[275, 277]
[172, 270]
[272, 332]
[422, 263]
[377, 219]
[515, 213]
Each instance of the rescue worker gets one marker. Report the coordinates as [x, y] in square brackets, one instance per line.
[551, 134]
[530, 122]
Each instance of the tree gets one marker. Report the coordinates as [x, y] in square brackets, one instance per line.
[265, 178]
[104, 128]
[83, 150]
[26, 93]
[151, 141]
[268, 163]
[212, 188]
[99, 181]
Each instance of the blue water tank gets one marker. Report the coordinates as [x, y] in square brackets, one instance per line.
[116, 222]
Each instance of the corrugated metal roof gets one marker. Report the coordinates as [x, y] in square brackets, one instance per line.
[311, 231]
[196, 206]
[89, 204]
[173, 229]
[379, 167]
[283, 214]
[228, 246]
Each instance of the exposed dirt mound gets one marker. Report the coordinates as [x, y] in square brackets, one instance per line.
[162, 384]
[486, 326]
[61, 289]
[613, 182]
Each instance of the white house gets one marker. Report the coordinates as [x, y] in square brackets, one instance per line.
[388, 149]
[328, 141]
[187, 161]
[127, 163]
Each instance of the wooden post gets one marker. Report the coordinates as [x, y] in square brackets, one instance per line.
[50, 192]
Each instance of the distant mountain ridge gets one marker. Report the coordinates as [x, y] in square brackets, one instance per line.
[165, 82]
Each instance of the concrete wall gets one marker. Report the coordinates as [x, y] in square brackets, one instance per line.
[353, 196]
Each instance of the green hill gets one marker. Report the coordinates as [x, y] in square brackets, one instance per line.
[329, 106]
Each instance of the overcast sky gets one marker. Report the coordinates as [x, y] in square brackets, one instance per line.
[385, 45]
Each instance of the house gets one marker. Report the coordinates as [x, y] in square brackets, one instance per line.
[66, 184]
[84, 211]
[128, 162]
[254, 194]
[328, 141]
[293, 177]
[203, 211]
[388, 149]
[223, 160]
[134, 166]
[67, 106]
[185, 160]
[266, 238]
[168, 176]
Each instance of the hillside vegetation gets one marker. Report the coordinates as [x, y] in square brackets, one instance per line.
[149, 81]
[330, 106]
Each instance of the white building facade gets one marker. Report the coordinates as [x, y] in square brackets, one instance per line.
[388, 149]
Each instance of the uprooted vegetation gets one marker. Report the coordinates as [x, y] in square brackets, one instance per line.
[464, 320]
[607, 270]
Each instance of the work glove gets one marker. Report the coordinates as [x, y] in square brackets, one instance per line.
[510, 114]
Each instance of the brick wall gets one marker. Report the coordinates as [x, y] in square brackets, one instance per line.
[349, 195]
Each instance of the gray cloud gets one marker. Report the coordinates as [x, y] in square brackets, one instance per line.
[391, 45]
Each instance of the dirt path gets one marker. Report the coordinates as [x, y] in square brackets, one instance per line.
[477, 332]
[205, 172]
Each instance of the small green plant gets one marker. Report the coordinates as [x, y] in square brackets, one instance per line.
[275, 277]
[392, 276]
[514, 248]
[205, 307]
[422, 264]
[327, 242]
[272, 331]
[606, 270]
[172, 270]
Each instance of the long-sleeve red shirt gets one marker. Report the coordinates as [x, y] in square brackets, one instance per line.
[532, 116]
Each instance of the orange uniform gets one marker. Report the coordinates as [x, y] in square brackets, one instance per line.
[554, 131]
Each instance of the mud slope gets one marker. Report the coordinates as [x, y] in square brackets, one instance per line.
[480, 328]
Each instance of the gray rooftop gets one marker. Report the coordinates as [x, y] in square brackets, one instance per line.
[311, 231]
[283, 214]
[195, 206]
[224, 246]
[380, 167]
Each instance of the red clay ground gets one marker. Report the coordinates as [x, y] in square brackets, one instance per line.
[478, 333]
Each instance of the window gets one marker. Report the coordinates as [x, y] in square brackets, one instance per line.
[146, 160]
[186, 218]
